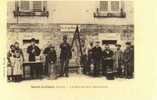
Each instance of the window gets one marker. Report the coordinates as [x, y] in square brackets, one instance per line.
[110, 6]
[103, 5]
[110, 9]
[24, 5]
[37, 6]
[31, 8]
[31, 5]
[114, 5]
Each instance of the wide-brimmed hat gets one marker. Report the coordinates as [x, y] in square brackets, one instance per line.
[128, 43]
[33, 40]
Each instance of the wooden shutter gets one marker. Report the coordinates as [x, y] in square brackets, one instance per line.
[103, 5]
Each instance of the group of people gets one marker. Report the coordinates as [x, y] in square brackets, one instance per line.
[95, 62]
[16, 58]
[109, 63]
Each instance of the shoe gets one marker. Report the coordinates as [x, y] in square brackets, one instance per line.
[66, 75]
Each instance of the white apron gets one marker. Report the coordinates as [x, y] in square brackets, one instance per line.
[10, 66]
[17, 66]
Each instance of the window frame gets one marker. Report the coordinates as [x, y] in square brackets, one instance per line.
[36, 10]
[102, 9]
[31, 8]
[20, 7]
[119, 6]
[109, 8]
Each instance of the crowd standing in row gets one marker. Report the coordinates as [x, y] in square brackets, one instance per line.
[109, 63]
[96, 62]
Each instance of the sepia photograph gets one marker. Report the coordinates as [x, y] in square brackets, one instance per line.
[64, 40]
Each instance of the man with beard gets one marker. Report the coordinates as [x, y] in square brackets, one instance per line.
[108, 62]
[51, 60]
[46, 54]
[97, 57]
[33, 50]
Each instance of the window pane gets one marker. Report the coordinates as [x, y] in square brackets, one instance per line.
[24, 5]
[115, 5]
[103, 5]
[37, 5]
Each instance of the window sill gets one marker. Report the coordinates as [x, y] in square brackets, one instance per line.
[31, 14]
[109, 15]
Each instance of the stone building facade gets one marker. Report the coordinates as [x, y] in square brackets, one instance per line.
[50, 20]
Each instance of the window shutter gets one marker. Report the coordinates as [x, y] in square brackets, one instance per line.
[103, 5]
[115, 5]
[37, 5]
[25, 5]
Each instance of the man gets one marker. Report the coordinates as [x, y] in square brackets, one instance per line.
[65, 56]
[128, 61]
[46, 53]
[51, 59]
[83, 60]
[118, 61]
[33, 50]
[108, 62]
[97, 57]
[90, 58]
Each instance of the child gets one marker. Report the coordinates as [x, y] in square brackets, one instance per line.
[10, 59]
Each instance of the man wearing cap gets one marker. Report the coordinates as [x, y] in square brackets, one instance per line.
[128, 59]
[51, 58]
[118, 54]
[33, 50]
[97, 57]
[65, 56]
[108, 62]
[46, 53]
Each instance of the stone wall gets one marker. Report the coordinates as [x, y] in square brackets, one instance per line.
[52, 33]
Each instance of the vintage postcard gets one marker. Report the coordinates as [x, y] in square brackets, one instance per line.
[72, 47]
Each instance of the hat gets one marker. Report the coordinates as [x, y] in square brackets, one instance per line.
[65, 37]
[12, 46]
[118, 45]
[128, 43]
[33, 39]
[16, 42]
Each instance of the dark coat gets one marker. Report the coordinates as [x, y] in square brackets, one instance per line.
[97, 54]
[118, 58]
[108, 57]
[33, 54]
[128, 58]
[50, 55]
[90, 56]
[65, 51]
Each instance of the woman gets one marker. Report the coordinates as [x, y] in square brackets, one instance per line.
[16, 63]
